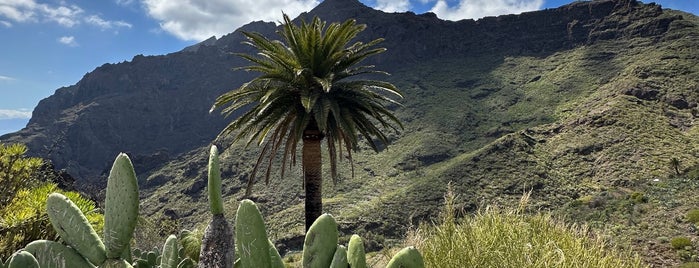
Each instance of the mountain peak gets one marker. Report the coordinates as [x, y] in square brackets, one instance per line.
[338, 10]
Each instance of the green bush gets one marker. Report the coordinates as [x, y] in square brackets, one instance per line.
[24, 219]
[680, 242]
[693, 216]
[16, 171]
[511, 238]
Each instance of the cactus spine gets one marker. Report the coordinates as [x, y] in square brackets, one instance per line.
[408, 257]
[320, 243]
[217, 250]
[121, 206]
[355, 252]
[72, 226]
[251, 236]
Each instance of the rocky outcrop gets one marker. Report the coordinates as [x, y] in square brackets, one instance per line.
[157, 107]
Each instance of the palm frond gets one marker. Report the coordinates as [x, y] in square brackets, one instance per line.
[304, 80]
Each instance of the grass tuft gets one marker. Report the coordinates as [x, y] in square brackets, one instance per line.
[510, 238]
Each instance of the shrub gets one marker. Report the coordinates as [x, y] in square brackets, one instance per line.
[680, 242]
[693, 216]
[638, 198]
[25, 219]
[16, 171]
[510, 238]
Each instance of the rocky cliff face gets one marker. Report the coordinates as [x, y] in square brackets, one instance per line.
[156, 107]
[567, 101]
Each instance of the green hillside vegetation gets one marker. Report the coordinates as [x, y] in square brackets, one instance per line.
[509, 237]
[584, 129]
[23, 219]
[602, 135]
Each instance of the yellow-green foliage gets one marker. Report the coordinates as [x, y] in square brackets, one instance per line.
[511, 238]
[25, 218]
[680, 242]
[693, 216]
[16, 170]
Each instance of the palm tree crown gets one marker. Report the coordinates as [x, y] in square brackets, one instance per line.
[308, 91]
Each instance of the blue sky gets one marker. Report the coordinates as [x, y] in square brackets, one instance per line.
[53, 43]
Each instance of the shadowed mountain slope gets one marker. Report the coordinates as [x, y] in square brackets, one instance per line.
[583, 103]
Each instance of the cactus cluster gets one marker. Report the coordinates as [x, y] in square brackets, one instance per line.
[82, 247]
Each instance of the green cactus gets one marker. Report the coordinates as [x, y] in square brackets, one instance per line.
[340, 258]
[186, 263]
[214, 183]
[72, 226]
[170, 257]
[275, 258]
[121, 206]
[355, 252]
[50, 254]
[217, 245]
[408, 257]
[22, 259]
[320, 243]
[115, 263]
[251, 236]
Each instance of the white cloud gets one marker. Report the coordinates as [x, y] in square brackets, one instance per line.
[15, 114]
[67, 16]
[199, 20]
[393, 5]
[6, 78]
[105, 24]
[21, 11]
[68, 40]
[30, 11]
[473, 9]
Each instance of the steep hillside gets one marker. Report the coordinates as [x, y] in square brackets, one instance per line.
[585, 105]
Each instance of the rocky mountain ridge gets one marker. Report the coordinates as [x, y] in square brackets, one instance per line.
[587, 100]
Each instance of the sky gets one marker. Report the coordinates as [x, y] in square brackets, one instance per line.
[49, 44]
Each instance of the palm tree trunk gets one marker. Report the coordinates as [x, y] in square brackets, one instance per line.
[312, 175]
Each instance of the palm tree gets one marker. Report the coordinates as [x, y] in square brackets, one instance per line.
[308, 91]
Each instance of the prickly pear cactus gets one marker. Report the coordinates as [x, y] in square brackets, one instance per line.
[115, 263]
[217, 245]
[251, 236]
[355, 252]
[72, 226]
[22, 259]
[320, 243]
[50, 254]
[121, 206]
[170, 257]
[408, 257]
[340, 258]
[276, 259]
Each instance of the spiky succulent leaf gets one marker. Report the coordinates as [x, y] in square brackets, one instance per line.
[50, 254]
[121, 206]
[251, 236]
[74, 228]
[320, 243]
[408, 257]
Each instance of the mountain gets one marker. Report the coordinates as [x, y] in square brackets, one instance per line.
[584, 105]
